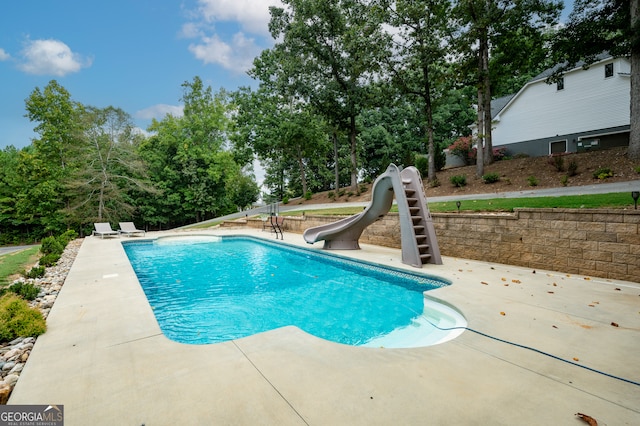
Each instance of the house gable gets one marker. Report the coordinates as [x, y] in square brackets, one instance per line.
[589, 103]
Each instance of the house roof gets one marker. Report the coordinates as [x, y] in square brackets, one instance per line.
[546, 73]
[498, 104]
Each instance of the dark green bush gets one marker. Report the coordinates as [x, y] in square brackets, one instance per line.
[51, 245]
[35, 272]
[27, 291]
[308, 195]
[564, 180]
[533, 181]
[49, 259]
[331, 195]
[66, 237]
[17, 319]
[285, 200]
[572, 169]
[458, 181]
[422, 164]
[491, 178]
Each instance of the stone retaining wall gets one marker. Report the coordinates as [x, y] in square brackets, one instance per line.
[596, 242]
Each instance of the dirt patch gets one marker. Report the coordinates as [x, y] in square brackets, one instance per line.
[515, 176]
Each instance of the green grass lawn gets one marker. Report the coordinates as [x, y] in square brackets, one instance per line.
[617, 200]
[16, 262]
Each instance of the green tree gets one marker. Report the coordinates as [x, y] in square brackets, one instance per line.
[333, 44]
[188, 160]
[280, 129]
[422, 28]
[487, 25]
[604, 26]
[58, 118]
[46, 167]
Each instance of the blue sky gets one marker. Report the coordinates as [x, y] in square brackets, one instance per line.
[131, 54]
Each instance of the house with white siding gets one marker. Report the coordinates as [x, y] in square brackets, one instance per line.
[587, 109]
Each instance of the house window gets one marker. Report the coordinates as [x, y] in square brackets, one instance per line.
[558, 147]
[608, 70]
[560, 84]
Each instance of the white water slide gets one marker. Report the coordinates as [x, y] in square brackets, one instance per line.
[418, 237]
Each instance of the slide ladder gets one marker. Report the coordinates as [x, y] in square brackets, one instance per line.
[418, 236]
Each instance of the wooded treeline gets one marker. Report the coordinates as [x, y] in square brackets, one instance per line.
[348, 87]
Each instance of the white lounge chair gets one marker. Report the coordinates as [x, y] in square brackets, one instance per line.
[129, 229]
[103, 229]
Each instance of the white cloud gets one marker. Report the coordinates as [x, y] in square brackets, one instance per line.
[237, 55]
[252, 15]
[214, 47]
[159, 111]
[53, 57]
[4, 55]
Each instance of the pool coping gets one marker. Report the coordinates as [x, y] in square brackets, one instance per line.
[104, 357]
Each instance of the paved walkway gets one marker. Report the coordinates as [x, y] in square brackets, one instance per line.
[105, 358]
[600, 188]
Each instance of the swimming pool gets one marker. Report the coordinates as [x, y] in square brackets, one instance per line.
[213, 289]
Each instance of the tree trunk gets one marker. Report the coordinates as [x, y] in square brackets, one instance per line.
[480, 138]
[481, 114]
[303, 177]
[431, 172]
[486, 85]
[634, 135]
[336, 168]
[354, 154]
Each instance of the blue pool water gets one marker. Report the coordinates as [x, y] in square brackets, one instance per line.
[211, 289]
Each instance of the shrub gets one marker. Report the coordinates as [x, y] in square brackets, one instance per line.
[564, 180]
[27, 291]
[422, 164]
[572, 170]
[533, 181]
[285, 200]
[331, 195]
[458, 181]
[341, 193]
[35, 272]
[602, 173]
[637, 169]
[434, 183]
[499, 154]
[17, 319]
[308, 195]
[491, 178]
[66, 237]
[463, 148]
[557, 161]
[51, 245]
[49, 259]
[363, 188]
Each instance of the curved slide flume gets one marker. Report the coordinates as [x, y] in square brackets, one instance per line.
[344, 234]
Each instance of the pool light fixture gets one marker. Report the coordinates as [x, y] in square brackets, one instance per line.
[458, 205]
[635, 195]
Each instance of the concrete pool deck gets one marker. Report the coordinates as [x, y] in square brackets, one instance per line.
[105, 359]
